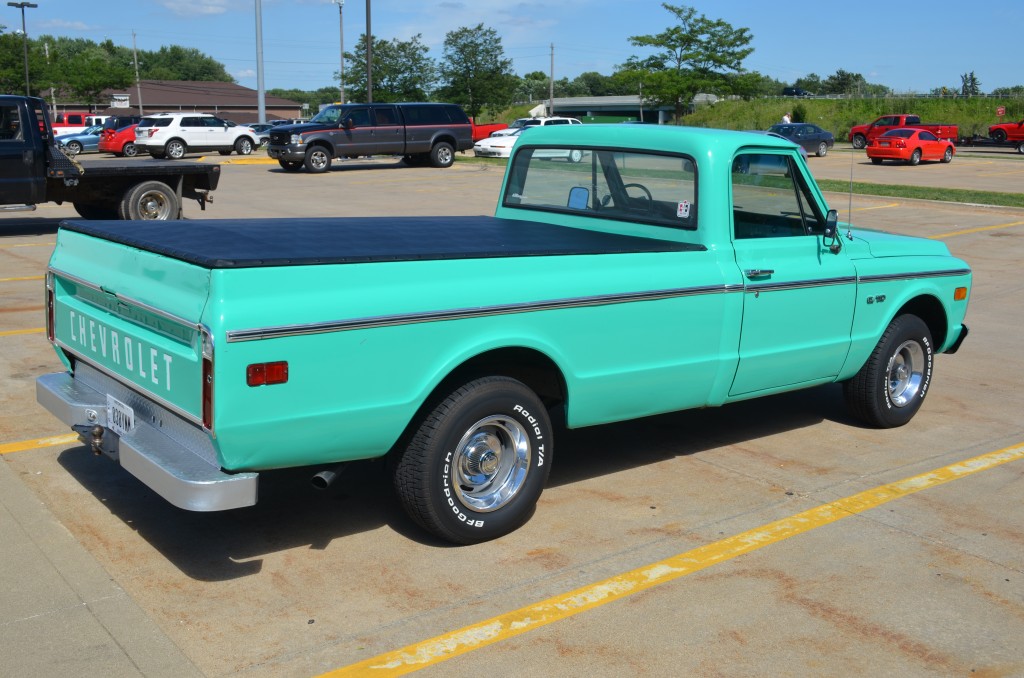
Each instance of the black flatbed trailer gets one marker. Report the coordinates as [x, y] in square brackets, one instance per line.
[34, 170]
[988, 142]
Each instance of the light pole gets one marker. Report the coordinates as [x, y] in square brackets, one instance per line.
[24, 35]
[341, 34]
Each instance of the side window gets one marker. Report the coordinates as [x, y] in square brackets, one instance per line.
[214, 122]
[770, 198]
[384, 116]
[360, 117]
[10, 124]
[191, 122]
[927, 136]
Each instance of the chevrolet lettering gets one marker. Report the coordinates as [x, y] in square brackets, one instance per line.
[625, 273]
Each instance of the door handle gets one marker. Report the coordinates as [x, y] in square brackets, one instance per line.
[759, 272]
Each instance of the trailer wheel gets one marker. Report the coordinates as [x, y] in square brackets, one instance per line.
[1020, 147]
[475, 467]
[150, 201]
[91, 211]
[442, 155]
[891, 386]
[999, 136]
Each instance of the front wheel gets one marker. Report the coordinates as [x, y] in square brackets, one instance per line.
[999, 136]
[317, 160]
[575, 155]
[891, 386]
[243, 146]
[822, 149]
[859, 141]
[478, 461]
[442, 155]
[948, 155]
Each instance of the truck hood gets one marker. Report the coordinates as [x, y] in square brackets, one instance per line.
[881, 244]
[300, 128]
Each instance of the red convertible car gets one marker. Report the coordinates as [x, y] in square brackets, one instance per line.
[1008, 131]
[911, 146]
[119, 142]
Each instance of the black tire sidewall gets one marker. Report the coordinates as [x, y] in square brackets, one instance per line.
[442, 512]
[904, 328]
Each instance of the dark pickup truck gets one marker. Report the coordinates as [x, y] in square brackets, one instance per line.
[420, 132]
[34, 170]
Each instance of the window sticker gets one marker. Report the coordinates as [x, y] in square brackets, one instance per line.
[683, 209]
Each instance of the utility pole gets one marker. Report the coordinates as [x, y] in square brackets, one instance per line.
[24, 34]
[261, 94]
[135, 59]
[369, 57]
[551, 83]
[341, 35]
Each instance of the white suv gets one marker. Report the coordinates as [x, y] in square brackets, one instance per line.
[531, 122]
[172, 135]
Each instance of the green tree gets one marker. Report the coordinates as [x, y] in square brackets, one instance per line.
[315, 98]
[474, 70]
[402, 70]
[811, 83]
[181, 63]
[1015, 91]
[970, 86]
[696, 55]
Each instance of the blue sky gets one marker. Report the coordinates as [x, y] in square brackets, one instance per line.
[791, 38]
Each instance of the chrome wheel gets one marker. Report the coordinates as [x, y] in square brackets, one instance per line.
[491, 463]
[175, 149]
[906, 373]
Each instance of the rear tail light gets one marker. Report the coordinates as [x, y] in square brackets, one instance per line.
[207, 380]
[50, 331]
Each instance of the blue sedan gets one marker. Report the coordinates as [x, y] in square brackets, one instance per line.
[81, 142]
[810, 137]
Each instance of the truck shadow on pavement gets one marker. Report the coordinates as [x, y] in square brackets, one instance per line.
[228, 545]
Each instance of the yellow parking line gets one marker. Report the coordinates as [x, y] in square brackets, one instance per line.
[38, 443]
[11, 333]
[441, 648]
[28, 244]
[876, 207]
[979, 229]
[27, 277]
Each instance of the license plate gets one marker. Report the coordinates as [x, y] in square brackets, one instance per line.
[120, 417]
[884, 143]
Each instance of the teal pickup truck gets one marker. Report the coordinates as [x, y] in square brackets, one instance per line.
[627, 271]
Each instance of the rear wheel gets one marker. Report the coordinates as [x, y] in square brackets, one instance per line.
[442, 155]
[575, 155]
[175, 149]
[74, 147]
[859, 141]
[317, 160]
[915, 157]
[475, 467]
[150, 201]
[876, 161]
[130, 150]
[822, 149]
[891, 386]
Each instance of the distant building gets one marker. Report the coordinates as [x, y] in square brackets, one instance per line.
[224, 99]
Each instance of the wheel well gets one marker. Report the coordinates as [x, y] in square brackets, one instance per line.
[531, 367]
[446, 139]
[324, 145]
[930, 310]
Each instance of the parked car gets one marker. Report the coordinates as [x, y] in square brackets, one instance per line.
[530, 122]
[796, 92]
[911, 146]
[1008, 131]
[116, 122]
[83, 142]
[809, 137]
[803, 153]
[172, 135]
[262, 131]
[120, 142]
[501, 147]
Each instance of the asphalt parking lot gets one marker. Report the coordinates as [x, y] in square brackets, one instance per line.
[768, 538]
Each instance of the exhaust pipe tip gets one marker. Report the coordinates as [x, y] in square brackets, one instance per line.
[326, 478]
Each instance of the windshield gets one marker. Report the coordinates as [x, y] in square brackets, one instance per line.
[331, 114]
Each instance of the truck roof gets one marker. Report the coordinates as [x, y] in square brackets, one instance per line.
[249, 243]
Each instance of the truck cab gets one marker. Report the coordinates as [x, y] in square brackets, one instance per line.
[24, 136]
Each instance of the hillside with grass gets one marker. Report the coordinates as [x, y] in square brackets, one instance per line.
[972, 114]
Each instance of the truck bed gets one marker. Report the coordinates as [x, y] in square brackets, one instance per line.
[247, 243]
[140, 167]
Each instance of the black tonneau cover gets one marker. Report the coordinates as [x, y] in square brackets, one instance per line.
[249, 243]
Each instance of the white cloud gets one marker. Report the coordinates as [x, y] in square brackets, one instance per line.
[60, 24]
[196, 7]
